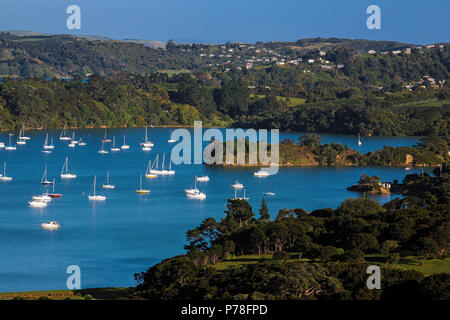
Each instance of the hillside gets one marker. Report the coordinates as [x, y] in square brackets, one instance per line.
[27, 53]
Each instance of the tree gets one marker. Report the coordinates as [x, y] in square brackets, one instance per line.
[386, 248]
[310, 140]
[264, 211]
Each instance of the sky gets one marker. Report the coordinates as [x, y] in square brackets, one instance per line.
[218, 21]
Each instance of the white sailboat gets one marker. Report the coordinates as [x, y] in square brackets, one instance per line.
[107, 185]
[113, 148]
[43, 197]
[102, 151]
[44, 180]
[359, 140]
[10, 146]
[148, 174]
[51, 225]
[124, 145]
[47, 146]
[73, 141]
[192, 190]
[81, 142]
[37, 204]
[24, 137]
[170, 138]
[4, 177]
[63, 135]
[146, 145]
[65, 174]
[202, 179]
[140, 190]
[197, 196]
[2, 145]
[21, 141]
[261, 173]
[93, 196]
[237, 185]
[167, 172]
[154, 169]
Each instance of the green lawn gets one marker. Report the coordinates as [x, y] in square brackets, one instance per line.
[173, 72]
[291, 101]
[410, 263]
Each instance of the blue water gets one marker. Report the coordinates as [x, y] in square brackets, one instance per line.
[128, 233]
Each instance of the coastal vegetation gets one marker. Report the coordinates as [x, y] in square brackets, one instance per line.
[321, 254]
[309, 151]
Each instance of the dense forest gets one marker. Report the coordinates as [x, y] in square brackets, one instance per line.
[321, 254]
[130, 100]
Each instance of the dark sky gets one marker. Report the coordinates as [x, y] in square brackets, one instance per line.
[410, 21]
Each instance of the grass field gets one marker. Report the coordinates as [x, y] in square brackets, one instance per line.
[83, 294]
[408, 263]
[291, 101]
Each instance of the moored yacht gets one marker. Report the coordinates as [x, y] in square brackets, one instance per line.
[93, 196]
[237, 185]
[51, 225]
[65, 174]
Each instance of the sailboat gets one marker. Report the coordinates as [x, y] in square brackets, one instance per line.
[261, 173]
[10, 146]
[195, 193]
[237, 185]
[2, 145]
[148, 174]
[23, 134]
[21, 141]
[202, 179]
[102, 151]
[155, 165]
[124, 145]
[170, 138]
[105, 139]
[81, 142]
[73, 139]
[37, 204]
[43, 197]
[44, 180]
[140, 190]
[107, 185]
[359, 140]
[146, 145]
[65, 174]
[192, 190]
[63, 135]
[93, 196]
[4, 177]
[167, 172]
[51, 225]
[46, 145]
[53, 194]
[114, 149]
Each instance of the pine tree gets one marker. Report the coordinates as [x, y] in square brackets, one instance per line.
[264, 212]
